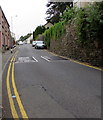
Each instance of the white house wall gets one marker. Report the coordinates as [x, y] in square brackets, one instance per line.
[83, 3]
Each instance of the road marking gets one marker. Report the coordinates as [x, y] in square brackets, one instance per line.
[84, 64]
[8, 61]
[16, 54]
[24, 115]
[45, 58]
[35, 59]
[81, 63]
[12, 107]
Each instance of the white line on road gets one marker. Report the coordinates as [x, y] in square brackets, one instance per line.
[35, 59]
[45, 58]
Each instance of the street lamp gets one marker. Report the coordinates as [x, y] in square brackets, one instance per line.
[12, 22]
[12, 30]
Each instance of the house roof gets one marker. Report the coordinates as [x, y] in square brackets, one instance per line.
[48, 23]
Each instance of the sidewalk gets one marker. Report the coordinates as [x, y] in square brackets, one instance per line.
[0, 85]
[4, 57]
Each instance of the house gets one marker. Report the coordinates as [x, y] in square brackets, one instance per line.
[83, 3]
[5, 35]
[48, 25]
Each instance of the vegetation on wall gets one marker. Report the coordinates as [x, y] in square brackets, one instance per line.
[54, 32]
[88, 22]
[68, 15]
[39, 30]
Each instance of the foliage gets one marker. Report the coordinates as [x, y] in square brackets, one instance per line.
[54, 32]
[69, 14]
[89, 24]
[38, 30]
[55, 9]
[23, 38]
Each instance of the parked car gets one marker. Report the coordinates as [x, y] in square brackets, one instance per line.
[13, 46]
[20, 43]
[40, 44]
[33, 43]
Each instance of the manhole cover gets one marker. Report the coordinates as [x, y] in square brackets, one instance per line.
[25, 60]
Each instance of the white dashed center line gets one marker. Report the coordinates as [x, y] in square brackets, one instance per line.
[35, 59]
[45, 58]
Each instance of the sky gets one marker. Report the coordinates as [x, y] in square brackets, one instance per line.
[24, 15]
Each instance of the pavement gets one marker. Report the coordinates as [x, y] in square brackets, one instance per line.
[0, 85]
[4, 58]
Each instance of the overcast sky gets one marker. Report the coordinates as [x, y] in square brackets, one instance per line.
[24, 15]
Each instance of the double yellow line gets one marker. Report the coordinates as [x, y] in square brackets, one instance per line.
[12, 105]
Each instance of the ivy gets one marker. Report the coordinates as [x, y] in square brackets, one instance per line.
[54, 33]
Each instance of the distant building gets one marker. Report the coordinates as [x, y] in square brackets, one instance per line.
[13, 35]
[13, 39]
[48, 25]
[28, 40]
[5, 35]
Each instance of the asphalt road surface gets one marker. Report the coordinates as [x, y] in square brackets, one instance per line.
[52, 87]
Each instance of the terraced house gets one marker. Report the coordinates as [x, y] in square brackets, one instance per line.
[5, 35]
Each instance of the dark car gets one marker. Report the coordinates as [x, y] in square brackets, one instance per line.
[40, 45]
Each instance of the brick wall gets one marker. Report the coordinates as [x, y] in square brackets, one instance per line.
[5, 36]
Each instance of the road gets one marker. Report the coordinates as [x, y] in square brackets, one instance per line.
[49, 86]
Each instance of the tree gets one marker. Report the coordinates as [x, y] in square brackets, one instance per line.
[23, 38]
[55, 9]
[39, 30]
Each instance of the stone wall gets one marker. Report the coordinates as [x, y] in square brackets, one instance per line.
[67, 46]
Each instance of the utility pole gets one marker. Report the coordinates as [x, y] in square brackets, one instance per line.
[12, 30]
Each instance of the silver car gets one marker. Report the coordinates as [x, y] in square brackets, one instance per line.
[40, 45]
[33, 43]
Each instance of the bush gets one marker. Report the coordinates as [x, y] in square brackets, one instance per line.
[89, 24]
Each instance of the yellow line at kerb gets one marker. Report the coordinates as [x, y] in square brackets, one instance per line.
[97, 68]
[24, 115]
[12, 107]
[81, 63]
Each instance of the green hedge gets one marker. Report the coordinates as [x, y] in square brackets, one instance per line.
[54, 32]
[89, 24]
